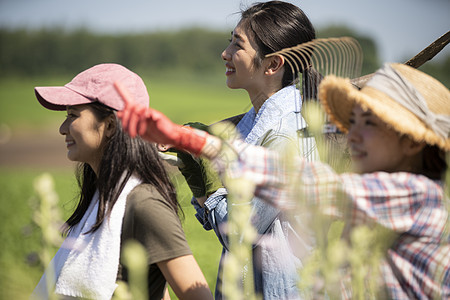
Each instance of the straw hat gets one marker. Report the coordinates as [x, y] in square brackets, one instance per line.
[408, 100]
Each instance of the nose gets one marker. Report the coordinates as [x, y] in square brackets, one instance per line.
[353, 134]
[63, 129]
[225, 54]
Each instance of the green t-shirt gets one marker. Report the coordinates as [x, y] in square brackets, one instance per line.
[151, 220]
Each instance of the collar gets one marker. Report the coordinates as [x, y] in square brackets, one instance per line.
[253, 125]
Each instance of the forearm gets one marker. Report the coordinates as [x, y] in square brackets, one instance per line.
[284, 181]
[185, 277]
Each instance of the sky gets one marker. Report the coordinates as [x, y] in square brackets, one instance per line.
[401, 28]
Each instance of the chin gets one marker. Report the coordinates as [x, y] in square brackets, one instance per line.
[71, 157]
[231, 86]
[357, 168]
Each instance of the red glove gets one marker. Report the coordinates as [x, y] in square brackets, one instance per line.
[155, 127]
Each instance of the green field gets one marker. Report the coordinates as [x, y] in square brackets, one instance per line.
[183, 97]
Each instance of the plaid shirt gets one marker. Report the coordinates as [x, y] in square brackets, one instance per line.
[417, 264]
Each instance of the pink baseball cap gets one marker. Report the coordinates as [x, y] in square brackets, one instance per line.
[95, 84]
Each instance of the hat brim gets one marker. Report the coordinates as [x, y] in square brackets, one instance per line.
[338, 96]
[334, 97]
[59, 97]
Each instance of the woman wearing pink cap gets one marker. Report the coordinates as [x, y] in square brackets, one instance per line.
[125, 194]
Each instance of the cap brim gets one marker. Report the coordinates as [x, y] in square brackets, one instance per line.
[59, 97]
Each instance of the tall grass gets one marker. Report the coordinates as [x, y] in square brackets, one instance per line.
[20, 238]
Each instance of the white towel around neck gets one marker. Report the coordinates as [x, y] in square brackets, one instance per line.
[86, 265]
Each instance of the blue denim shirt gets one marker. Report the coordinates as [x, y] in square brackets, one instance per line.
[275, 126]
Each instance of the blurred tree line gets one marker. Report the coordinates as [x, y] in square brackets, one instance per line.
[56, 51]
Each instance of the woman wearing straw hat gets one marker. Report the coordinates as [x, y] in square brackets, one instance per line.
[398, 129]
[125, 194]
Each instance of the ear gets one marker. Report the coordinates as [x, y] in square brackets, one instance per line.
[274, 64]
[411, 147]
[111, 125]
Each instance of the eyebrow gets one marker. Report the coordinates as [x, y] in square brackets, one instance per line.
[236, 35]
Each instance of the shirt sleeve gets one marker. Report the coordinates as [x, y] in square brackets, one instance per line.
[402, 202]
[151, 220]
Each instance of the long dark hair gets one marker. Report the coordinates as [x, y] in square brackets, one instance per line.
[275, 25]
[122, 156]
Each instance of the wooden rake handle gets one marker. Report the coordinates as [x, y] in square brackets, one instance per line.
[422, 57]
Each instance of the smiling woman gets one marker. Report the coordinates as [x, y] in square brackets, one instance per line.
[274, 121]
[86, 134]
[125, 194]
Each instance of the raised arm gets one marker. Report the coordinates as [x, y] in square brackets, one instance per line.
[155, 127]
